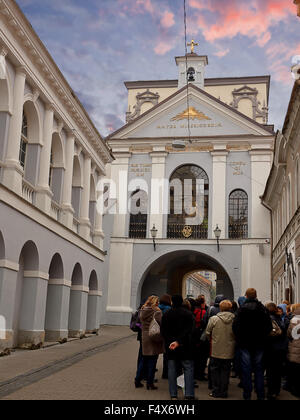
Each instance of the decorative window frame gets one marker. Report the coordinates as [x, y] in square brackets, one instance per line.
[142, 98]
[246, 92]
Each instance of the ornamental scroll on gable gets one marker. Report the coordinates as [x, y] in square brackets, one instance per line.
[247, 92]
[142, 98]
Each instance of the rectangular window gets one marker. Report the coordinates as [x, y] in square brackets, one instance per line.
[22, 154]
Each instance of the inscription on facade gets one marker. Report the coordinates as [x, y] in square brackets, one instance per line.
[139, 169]
[238, 167]
[175, 126]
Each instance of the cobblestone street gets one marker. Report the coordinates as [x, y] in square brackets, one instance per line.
[98, 368]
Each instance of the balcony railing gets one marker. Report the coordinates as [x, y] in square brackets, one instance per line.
[55, 210]
[238, 231]
[75, 225]
[138, 230]
[181, 231]
[27, 191]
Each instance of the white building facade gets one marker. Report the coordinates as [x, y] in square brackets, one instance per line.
[51, 159]
[228, 153]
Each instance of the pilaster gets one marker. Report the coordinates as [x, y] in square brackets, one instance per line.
[12, 171]
[219, 158]
[159, 193]
[43, 193]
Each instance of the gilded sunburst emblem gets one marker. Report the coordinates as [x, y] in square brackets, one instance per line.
[187, 231]
[191, 113]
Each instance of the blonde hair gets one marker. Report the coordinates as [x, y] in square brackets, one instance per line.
[295, 307]
[151, 302]
[225, 306]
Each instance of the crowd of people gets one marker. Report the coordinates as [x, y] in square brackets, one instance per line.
[245, 340]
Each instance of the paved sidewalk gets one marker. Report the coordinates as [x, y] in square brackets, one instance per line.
[99, 368]
[23, 366]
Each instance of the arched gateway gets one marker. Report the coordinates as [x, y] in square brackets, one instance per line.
[166, 274]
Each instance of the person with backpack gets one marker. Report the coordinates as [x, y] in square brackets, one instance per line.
[136, 326]
[252, 327]
[276, 352]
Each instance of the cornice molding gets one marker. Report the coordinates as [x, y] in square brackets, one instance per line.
[33, 46]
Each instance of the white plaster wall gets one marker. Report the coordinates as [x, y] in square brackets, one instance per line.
[260, 170]
[256, 270]
[120, 275]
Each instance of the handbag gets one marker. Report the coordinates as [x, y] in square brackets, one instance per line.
[154, 330]
[276, 330]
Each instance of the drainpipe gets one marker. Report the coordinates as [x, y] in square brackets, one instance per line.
[272, 241]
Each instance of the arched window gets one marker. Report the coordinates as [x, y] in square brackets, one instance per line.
[138, 215]
[189, 202]
[238, 215]
[24, 141]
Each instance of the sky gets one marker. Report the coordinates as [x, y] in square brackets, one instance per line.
[100, 44]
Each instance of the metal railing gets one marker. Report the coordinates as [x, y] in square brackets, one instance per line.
[138, 228]
[181, 231]
[238, 231]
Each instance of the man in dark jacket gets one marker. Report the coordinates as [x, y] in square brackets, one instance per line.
[177, 330]
[252, 327]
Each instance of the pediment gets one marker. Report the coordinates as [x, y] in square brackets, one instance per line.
[198, 113]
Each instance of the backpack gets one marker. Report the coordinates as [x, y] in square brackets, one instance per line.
[199, 315]
[276, 330]
[135, 323]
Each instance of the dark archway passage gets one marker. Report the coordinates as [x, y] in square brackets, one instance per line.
[166, 274]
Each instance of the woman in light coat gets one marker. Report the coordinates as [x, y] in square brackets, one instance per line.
[151, 349]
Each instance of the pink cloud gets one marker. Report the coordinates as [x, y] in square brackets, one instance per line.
[222, 53]
[253, 18]
[163, 47]
[167, 20]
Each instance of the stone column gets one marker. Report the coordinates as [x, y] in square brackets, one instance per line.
[4, 108]
[93, 312]
[119, 175]
[43, 191]
[67, 208]
[85, 224]
[33, 309]
[8, 286]
[218, 188]
[78, 311]
[13, 172]
[159, 192]
[261, 162]
[98, 231]
[57, 312]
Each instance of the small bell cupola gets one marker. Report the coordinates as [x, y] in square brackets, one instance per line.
[191, 68]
